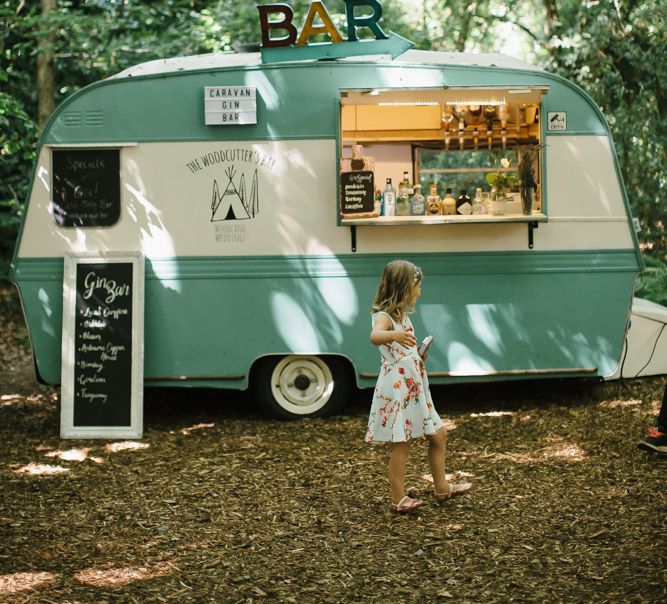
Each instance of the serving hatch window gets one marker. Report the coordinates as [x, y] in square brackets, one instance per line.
[459, 139]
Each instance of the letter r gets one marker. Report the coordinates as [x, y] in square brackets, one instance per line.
[369, 21]
[286, 24]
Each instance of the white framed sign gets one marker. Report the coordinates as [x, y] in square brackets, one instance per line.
[102, 346]
[557, 120]
[230, 105]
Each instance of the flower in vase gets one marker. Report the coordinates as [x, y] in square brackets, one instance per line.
[502, 181]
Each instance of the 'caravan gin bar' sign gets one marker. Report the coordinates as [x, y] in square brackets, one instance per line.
[230, 105]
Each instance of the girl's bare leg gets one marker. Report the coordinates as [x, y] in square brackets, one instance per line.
[398, 461]
[437, 447]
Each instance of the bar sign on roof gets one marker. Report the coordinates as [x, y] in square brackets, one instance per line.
[230, 105]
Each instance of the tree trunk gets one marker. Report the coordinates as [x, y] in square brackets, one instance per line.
[46, 78]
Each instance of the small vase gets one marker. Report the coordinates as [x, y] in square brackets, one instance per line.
[527, 201]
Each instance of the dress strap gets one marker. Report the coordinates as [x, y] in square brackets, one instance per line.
[382, 312]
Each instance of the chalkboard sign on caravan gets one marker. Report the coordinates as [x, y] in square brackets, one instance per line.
[86, 187]
[357, 192]
[102, 346]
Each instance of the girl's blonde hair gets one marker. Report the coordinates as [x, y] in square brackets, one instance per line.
[394, 294]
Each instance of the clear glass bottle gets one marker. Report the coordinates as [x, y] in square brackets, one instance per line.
[405, 192]
[477, 203]
[433, 202]
[449, 203]
[463, 203]
[418, 203]
[389, 200]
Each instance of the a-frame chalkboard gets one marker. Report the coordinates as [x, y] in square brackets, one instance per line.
[102, 346]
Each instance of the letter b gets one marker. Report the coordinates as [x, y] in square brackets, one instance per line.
[286, 24]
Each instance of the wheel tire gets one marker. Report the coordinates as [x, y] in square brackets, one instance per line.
[300, 386]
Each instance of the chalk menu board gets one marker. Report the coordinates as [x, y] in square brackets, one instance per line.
[102, 347]
[86, 187]
[357, 191]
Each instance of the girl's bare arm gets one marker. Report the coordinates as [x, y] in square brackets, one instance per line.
[383, 333]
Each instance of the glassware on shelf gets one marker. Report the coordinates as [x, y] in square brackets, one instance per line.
[433, 201]
[475, 111]
[389, 200]
[418, 203]
[449, 203]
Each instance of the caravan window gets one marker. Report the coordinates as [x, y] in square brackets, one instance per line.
[86, 187]
[472, 140]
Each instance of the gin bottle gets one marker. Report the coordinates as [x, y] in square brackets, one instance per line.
[477, 203]
[449, 203]
[389, 200]
[463, 205]
[418, 203]
[403, 207]
[433, 202]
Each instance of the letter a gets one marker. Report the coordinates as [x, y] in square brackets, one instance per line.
[369, 21]
[286, 24]
[309, 29]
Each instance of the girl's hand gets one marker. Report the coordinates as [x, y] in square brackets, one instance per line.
[405, 338]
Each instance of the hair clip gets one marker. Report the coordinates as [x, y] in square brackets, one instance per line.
[418, 275]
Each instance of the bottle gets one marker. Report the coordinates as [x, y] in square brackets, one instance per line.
[378, 203]
[418, 203]
[433, 202]
[463, 205]
[389, 200]
[358, 161]
[449, 203]
[405, 191]
[477, 203]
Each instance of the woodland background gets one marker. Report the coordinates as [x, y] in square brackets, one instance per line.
[616, 50]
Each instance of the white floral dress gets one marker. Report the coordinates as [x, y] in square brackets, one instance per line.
[402, 407]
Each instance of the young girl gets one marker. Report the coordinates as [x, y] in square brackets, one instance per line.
[402, 407]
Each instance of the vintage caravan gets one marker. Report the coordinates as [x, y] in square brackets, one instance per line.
[253, 189]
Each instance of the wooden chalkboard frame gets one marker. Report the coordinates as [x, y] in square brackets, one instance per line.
[68, 429]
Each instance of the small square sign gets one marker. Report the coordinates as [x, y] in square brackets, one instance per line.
[557, 120]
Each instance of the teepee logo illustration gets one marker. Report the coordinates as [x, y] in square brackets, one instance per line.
[234, 203]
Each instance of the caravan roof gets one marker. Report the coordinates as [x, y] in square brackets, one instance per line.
[233, 59]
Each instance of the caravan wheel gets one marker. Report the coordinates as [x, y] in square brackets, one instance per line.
[295, 386]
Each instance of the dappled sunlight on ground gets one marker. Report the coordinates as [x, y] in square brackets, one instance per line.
[35, 469]
[11, 585]
[559, 450]
[492, 414]
[620, 403]
[70, 455]
[7, 400]
[10, 399]
[110, 577]
[191, 429]
[126, 445]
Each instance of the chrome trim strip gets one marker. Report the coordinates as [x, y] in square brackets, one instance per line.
[501, 372]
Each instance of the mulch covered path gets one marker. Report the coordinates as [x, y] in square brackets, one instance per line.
[220, 504]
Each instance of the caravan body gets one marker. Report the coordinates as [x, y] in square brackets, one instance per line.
[253, 269]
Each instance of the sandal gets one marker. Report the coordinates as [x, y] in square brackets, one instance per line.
[452, 491]
[406, 504]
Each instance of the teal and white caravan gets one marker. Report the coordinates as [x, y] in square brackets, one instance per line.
[251, 189]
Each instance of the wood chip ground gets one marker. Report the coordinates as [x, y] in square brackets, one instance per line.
[218, 503]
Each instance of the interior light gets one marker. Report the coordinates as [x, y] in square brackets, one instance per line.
[409, 104]
[475, 102]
